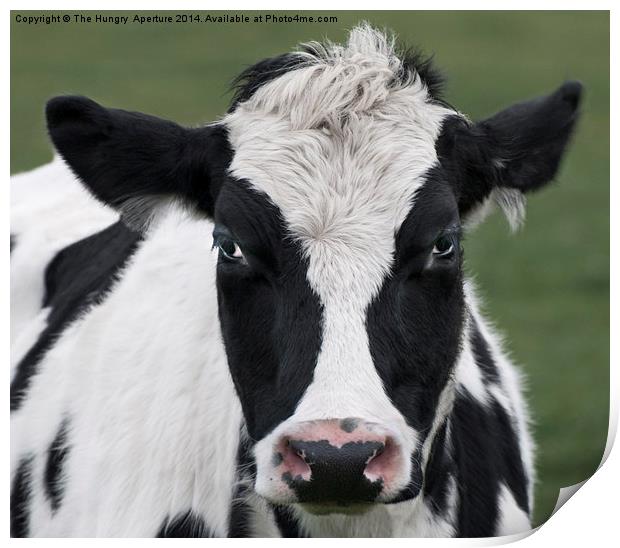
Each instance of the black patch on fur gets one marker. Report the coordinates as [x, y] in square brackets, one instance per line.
[418, 65]
[286, 522]
[475, 452]
[245, 458]
[239, 523]
[482, 352]
[269, 315]
[240, 515]
[12, 242]
[414, 324]
[349, 425]
[187, 525]
[79, 276]
[20, 498]
[439, 469]
[486, 452]
[56, 456]
[512, 470]
[337, 472]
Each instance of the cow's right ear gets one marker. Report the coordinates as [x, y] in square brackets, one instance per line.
[132, 161]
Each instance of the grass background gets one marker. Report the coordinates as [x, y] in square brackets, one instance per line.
[547, 287]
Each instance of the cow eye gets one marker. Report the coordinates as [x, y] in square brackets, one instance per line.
[229, 249]
[444, 247]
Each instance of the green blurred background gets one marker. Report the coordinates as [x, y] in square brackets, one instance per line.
[546, 287]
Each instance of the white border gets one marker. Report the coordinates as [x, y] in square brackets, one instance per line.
[588, 518]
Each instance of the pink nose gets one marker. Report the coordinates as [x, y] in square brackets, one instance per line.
[338, 461]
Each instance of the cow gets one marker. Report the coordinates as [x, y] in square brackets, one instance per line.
[261, 326]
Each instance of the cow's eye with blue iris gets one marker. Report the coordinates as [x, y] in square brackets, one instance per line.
[228, 248]
[445, 246]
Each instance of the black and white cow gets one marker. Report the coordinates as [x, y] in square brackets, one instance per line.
[325, 371]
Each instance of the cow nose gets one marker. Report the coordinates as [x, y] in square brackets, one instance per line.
[337, 461]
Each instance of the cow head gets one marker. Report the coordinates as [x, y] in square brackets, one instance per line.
[338, 184]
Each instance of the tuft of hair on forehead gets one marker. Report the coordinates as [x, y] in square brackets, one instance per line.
[323, 84]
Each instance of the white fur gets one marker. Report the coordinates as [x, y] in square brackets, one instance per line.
[27, 337]
[262, 521]
[512, 519]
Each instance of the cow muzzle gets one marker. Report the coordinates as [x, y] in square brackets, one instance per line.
[331, 464]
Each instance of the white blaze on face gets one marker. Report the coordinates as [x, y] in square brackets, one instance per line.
[343, 173]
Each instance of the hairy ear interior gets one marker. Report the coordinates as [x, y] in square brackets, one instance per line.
[510, 201]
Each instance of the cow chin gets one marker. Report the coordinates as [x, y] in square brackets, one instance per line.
[326, 509]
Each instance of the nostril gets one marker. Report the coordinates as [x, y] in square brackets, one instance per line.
[299, 451]
[382, 463]
[294, 459]
[378, 452]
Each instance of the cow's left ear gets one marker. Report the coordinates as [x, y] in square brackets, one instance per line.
[516, 151]
[135, 162]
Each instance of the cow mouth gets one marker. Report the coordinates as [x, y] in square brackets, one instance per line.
[327, 508]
